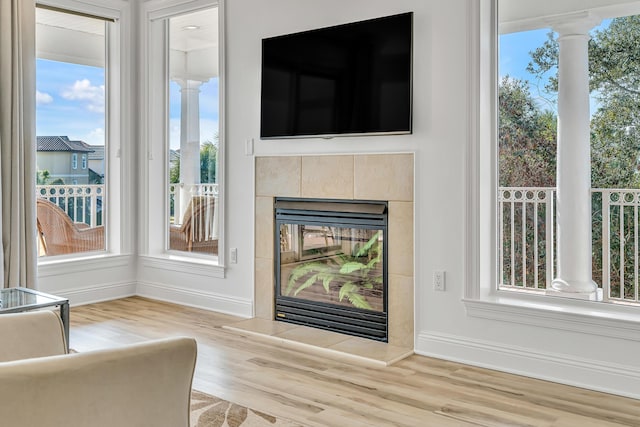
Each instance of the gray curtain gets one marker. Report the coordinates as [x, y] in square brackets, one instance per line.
[17, 143]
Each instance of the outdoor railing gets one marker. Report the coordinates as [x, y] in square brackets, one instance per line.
[620, 230]
[83, 203]
[526, 237]
[527, 240]
[180, 194]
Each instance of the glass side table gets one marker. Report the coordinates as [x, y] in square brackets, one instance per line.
[15, 300]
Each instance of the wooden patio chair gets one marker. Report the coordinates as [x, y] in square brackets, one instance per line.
[59, 235]
[196, 233]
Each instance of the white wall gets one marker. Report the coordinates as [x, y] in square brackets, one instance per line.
[438, 90]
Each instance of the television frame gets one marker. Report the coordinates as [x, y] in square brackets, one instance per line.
[342, 134]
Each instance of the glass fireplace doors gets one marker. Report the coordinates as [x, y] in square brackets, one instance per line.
[331, 259]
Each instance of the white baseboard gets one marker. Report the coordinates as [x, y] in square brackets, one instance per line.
[579, 372]
[98, 293]
[198, 299]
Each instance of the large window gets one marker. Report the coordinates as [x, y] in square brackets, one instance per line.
[193, 139]
[554, 129]
[70, 123]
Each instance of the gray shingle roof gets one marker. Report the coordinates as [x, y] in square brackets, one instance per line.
[62, 143]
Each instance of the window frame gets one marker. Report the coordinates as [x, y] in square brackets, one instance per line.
[118, 197]
[481, 296]
[74, 161]
[84, 161]
[154, 244]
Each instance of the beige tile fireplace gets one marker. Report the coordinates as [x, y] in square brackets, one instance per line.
[387, 177]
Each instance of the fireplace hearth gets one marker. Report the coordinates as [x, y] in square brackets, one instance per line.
[331, 265]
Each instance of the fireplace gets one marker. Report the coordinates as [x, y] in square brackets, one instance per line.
[331, 265]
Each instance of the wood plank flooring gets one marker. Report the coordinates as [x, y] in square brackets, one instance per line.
[315, 391]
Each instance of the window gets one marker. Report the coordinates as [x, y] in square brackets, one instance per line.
[588, 164]
[71, 69]
[193, 142]
[184, 48]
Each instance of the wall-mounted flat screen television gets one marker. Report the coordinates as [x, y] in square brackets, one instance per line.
[352, 79]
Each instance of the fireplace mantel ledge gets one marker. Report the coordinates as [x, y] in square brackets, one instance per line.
[323, 343]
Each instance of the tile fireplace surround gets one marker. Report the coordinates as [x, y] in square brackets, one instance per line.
[387, 177]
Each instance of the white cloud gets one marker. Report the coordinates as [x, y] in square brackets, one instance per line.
[95, 137]
[43, 98]
[208, 129]
[83, 90]
[174, 133]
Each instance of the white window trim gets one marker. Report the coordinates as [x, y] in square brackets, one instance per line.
[482, 298]
[74, 161]
[84, 161]
[119, 159]
[154, 96]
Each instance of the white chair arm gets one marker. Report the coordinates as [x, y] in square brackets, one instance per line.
[31, 334]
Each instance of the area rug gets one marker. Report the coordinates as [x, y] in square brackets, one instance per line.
[211, 411]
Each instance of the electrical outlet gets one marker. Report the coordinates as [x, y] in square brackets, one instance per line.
[233, 255]
[438, 280]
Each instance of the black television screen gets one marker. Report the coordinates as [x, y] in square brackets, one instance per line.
[344, 80]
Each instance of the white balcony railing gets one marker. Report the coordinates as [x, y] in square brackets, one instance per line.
[83, 203]
[527, 242]
[180, 194]
[526, 237]
[620, 230]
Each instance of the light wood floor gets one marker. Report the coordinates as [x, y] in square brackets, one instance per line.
[314, 391]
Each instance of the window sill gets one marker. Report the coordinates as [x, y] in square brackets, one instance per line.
[588, 317]
[204, 267]
[73, 264]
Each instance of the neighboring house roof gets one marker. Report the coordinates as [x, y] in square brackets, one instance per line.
[98, 152]
[93, 175]
[62, 143]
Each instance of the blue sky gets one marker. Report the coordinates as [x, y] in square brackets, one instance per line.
[70, 101]
[209, 114]
[514, 56]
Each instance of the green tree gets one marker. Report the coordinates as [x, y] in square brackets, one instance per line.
[527, 138]
[208, 162]
[174, 172]
[615, 144]
[614, 78]
[42, 177]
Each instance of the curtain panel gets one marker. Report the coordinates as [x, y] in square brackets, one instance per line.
[17, 143]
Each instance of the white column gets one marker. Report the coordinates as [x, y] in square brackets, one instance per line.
[573, 214]
[189, 140]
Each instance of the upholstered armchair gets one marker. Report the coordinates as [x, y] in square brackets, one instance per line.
[146, 384]
[59, 235]
[196, 233]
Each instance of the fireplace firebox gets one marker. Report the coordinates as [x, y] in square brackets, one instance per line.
[331, 265]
